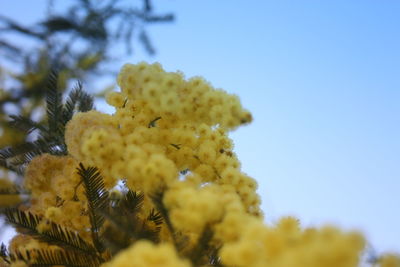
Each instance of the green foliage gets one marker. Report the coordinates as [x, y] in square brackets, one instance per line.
[54, 106]
[50, 134]
[126, 226]
[98, 200]
[115, 225]
[77, 100]
[123, 228]
[25, 124]
[54, 233]
[44, 258]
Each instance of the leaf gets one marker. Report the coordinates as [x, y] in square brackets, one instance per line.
[16, 157]
[22, 153]
[86, 102]
[77, 100]
[56, 235]
[71, 103]
[53, 102]
[25, 124]
[50, 257]
[126, 226]
[97, 198]
[4, 164]
[155, 217]
[132, 201]
[51, 138]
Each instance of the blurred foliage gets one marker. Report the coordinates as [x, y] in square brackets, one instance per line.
[75, 43]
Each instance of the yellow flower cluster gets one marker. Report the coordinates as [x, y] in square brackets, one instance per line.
[389, 260]
[169, 95]
[163, 124]
[192, 208]
[147, 254]
[287, 245]
[57, 193]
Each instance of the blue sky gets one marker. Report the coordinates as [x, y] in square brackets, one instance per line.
[322, 79]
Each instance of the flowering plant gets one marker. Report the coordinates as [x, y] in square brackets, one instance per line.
[156, 183]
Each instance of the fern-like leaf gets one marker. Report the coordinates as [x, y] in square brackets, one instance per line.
[22, 154]
[155, 217]
[98, 200]
[53, 102]
[12, 152]
[42, 258]
[132, 201]
[51, 137]
[6, 165]
[77, 100]
[25, 124]
[86, 102]
[56, 235]
[14, 157]
[126, 227]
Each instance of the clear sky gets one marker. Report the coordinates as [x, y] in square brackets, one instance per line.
[322, 79]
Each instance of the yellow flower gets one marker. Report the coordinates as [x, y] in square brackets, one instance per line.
[389, 260]
[147, 254]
